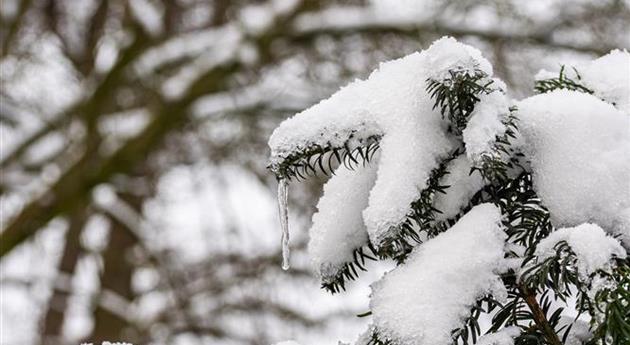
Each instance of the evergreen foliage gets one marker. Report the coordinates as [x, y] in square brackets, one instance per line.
[324, 159]
[534, 295]
[563, 81]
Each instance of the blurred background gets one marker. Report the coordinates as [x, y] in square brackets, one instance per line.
[135, 201]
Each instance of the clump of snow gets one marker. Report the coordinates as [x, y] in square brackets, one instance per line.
[609, 78]
[592, 247]
[446, 55]
[485, 124]
[446, 274]
[578, 147]
[503, 337]
[338, 227]
[462, 186]
[391, 104]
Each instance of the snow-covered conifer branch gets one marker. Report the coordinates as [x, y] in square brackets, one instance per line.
[484, 203]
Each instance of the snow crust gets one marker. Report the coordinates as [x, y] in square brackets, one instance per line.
[485, 124]
[422, 301]
[503, 337]
[338, 227]
[462, 186]
[579, 150]
[392, 104]
[592, 247]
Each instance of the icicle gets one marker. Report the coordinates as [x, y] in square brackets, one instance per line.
[284, 220]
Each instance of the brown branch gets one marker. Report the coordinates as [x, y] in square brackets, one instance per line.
[116, 277]
[539, 316]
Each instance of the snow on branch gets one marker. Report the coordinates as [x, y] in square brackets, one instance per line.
[339, 252]
[422, 301]
[594, 250]
[394, 108]
[578, 148]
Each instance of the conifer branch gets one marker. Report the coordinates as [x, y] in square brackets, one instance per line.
[495, 165]
[402, 239]
[456, 95]
[562, 82]
[539, 316]
[325, 158]
[471, 330]
[614, 304]
[349, 270]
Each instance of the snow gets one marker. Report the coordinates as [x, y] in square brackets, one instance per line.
[592, 247]
[503, 337]
[288, 342]
[580, 331]
[463, 186]
[392, 104]
[485, 124]
[256, 19]
[447, 55]
[578, 147]
[338, 227]
[609, 78]
[446, 274]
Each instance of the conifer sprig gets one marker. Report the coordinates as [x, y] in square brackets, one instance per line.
[496, 164]
[614, 304]
[562, 82]
[325, 158]
[471, 330]
[456, 95]
[349, 270]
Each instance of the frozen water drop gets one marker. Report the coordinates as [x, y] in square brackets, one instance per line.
[284, 221]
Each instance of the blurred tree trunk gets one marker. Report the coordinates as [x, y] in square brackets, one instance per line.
[54, 316]
[116, 278]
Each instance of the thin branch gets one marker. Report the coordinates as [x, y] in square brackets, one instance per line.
[370, 26]
[539, 316]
